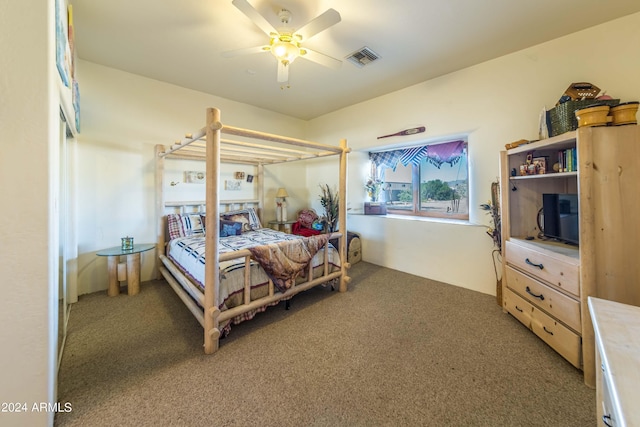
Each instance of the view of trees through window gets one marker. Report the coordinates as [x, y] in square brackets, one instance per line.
[427, 190]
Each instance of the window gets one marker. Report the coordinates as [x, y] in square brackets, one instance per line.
[428, 180]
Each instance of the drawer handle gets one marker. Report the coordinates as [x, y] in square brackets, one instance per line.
[547, 331]
[540, 266]
[606, 419]
[541, 297]
[519, 309]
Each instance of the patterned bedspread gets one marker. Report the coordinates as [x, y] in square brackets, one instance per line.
[287, 260]
[188, 253]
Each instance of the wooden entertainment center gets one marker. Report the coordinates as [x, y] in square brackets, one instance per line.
[546, 283]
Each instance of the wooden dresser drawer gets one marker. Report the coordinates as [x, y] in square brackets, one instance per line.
[518, 307]
[544, 266]
[607, 406]
[560, 306]
[558, 336]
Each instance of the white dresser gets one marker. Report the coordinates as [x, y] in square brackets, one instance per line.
[617, 333]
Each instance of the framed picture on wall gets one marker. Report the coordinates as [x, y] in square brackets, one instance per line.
[232, 184]
[194, 177]
[63, 52]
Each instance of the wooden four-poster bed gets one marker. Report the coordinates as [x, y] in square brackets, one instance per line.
[231, 286]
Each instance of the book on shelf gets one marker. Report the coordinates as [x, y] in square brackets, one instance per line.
[567, 160]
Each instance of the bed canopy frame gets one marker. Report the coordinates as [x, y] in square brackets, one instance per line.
[258, 149]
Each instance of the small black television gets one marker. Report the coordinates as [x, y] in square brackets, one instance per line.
[560, 212]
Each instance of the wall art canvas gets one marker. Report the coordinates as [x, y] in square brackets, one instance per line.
[232, 184]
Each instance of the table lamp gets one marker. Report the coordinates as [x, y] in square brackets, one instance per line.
[281, 204]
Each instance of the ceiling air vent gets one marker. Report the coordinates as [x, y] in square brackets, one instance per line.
[363, 57]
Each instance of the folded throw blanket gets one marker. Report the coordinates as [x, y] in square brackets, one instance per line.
[284, 261]
[300, 230]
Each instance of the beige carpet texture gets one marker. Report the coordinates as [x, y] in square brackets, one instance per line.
[394, 350]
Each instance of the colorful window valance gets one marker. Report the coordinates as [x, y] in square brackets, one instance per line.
[436, 154]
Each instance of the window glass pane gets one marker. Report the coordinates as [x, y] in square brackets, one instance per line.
[444, 190]
[398, 188]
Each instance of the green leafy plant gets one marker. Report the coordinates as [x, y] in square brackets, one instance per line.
[329, 201]
[405, 196]
[494, 231]
[493, 208]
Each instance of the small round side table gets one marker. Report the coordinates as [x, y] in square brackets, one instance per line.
[128, 271]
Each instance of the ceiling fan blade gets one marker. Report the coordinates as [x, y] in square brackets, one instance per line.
[245, 51]
[255, 17]
[283, 72]
[321, 59]
[318, 24]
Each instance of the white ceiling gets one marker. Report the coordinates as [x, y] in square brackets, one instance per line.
[181, 41]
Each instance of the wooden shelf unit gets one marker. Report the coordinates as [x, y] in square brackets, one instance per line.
[604, 265]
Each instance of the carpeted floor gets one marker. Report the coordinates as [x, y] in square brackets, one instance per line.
[395, 350]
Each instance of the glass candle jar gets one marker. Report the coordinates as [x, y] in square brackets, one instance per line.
[127, 243]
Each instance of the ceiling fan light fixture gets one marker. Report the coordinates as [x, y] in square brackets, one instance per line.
[284, 49]
[284, 43]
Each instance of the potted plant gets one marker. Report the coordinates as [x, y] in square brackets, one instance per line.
[329, 201]
[494, 231]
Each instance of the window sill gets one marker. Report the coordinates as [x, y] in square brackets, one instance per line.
[422, 219]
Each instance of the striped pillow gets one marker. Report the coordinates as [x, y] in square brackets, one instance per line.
[192, 224]
[184, 225]
[175, 226]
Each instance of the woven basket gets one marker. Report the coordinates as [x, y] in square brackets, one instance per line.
[563, 117]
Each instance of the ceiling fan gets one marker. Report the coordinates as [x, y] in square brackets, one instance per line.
[285, 43]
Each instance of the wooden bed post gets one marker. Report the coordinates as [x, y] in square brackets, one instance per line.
[159, 160]
[260, 179]
[212, 224]
[342, 216]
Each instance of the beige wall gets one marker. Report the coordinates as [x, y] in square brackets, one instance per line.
[493, 103]
[28, 190]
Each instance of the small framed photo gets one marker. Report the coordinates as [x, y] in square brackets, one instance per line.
[541, 164]
[232, 185]
[249, 178]
[239, 175]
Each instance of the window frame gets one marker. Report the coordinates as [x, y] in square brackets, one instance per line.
[415, 182]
